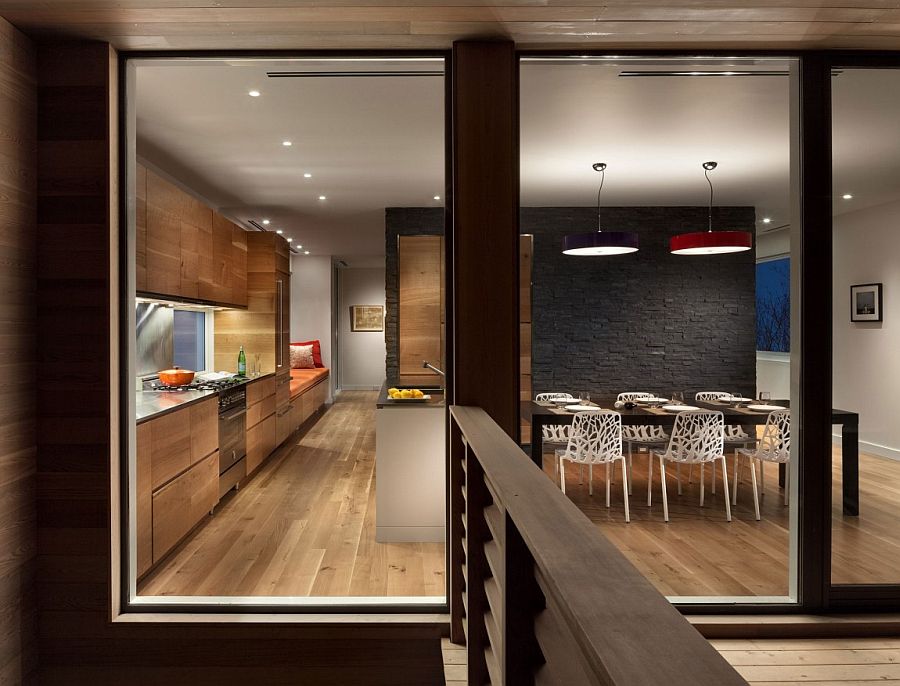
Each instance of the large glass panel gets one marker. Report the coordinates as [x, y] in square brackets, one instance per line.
[286, 233]
[866, 321]
[678, 320]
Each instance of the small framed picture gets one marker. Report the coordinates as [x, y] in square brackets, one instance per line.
[865, 302]
[367, 318]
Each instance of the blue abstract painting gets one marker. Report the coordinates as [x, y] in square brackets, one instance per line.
[773, 305]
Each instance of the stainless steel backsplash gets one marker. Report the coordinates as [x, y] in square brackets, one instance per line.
[155, 336]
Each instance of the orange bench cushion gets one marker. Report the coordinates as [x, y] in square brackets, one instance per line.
[304, 379]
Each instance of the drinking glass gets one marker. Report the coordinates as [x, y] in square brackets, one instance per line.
[585, 397]
[678, 397]
[765, 396]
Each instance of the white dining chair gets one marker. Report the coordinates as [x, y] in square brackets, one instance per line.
[735, 436]
[555, 434]
[697, 438]
[596, 438]
[642, 435]
[774, 446]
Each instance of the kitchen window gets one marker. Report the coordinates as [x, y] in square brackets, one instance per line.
[190, 339]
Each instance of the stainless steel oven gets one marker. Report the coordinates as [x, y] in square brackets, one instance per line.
[232, 438]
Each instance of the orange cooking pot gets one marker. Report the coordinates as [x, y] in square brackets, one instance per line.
[176, 376]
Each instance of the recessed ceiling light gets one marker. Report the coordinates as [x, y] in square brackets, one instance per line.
[290, 240]
[437, 197]
[767, 220]
[266, 222]
[306, 252]
[279, 232]
[286, 144]
[322, 197]
[307, 175]
[253, 94]
[299, 247]
[847, 196]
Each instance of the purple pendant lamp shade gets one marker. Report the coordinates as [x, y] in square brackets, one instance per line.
[600, 242]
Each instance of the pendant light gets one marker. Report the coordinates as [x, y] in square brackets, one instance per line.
[600, 242]
[710, 242]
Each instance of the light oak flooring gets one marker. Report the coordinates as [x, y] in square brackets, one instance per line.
[782, 662]
[305, 525]
[698, 553]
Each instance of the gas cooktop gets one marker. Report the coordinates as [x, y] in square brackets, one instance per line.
[209, 385]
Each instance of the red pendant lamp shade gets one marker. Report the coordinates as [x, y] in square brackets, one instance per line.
[710, 242]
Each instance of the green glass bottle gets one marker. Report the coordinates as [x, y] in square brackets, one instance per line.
[242, 363]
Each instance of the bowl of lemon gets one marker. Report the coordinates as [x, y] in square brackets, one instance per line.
[407, 395]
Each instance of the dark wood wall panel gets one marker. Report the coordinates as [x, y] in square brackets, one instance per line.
[78, 642]
[18, 536]
[485, 230]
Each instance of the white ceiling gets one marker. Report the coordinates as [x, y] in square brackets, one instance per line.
[372, 143]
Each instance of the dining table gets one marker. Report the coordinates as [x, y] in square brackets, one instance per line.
[548, 413]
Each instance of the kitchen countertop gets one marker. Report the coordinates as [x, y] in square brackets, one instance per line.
[437, 398]
[150, 404]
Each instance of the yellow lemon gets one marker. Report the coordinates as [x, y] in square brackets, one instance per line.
[405, 393]
[417, 393]
[392, 391]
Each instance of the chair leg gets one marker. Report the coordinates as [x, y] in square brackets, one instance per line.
[725, 489]
[690, 474]
[581, 474]
[591, 478]
[662, 480]
[702, 484]
[630, 472]
[625, 488]
[735, 479]
[562, 475]
[762, 478]
[678, 476]
[713, 465]
[755, 490]
[607, 482]
[649, 478]
[787, 483]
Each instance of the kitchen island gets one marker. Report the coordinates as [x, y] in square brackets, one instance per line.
[410, 468]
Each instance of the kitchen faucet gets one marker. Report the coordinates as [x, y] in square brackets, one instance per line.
[427, 365]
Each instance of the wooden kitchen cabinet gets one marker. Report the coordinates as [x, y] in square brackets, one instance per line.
[260, 443]
[204, 428]
[420, 310]
[170, 446]
[183, 248]
[180, 505]
[144, 500]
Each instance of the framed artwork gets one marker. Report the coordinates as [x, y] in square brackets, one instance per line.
[865, 302]
[367, 317]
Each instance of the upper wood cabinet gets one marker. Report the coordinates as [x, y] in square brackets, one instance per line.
[183, 248]
[420, 311]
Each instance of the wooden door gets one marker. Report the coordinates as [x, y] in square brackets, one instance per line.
[419, 311]
[170, 453]
[140, 226]
[144, 499]
[204, 428]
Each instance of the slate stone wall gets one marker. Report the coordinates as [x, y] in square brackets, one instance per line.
[645, 321]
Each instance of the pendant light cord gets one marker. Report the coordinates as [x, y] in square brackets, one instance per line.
[601, 168]
[706, 169]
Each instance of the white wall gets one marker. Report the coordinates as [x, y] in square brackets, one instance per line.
[362, 353]
[867, 355]
[311, 302]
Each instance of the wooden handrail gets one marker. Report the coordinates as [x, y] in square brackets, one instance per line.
[539, 595]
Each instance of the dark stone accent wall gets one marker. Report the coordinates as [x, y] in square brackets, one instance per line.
[402, 221]
[647, 321]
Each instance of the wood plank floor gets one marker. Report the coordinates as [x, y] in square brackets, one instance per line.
[793, 662]
[698, 553]
[305, 525]
[818, 662]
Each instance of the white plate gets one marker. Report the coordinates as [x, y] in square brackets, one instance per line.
[679, 408]
[651, 400]
[562, 401]
[424, 398]
[736, 399]
[766, 408]
[581, 408]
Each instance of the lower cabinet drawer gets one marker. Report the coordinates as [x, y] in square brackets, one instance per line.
[283, 424]
[260, 442]
[183, 502]
[260, 410]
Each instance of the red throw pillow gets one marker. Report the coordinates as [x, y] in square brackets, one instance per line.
[317, 351]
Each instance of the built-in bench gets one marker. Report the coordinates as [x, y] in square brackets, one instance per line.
[309, 391]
